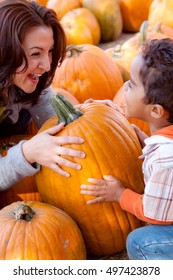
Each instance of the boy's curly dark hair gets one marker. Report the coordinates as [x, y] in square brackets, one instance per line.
[157, 73]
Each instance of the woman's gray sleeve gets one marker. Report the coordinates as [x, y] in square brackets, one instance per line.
[14, 167]
[43, 110]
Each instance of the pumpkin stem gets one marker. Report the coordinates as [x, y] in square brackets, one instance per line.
[65, 111]
[157, 27]
[143, 32]
[117, 51]
[23, 212]
[72, 50]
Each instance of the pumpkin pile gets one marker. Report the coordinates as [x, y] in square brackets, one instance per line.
[45, 213]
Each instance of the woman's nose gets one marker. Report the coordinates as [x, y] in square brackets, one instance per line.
[45, 63]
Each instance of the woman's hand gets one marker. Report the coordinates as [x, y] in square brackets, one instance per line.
[107, 102]
[109, 188]
[140, 134]
[46, 149]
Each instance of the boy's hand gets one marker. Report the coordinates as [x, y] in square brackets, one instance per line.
[107, 102]
[141, 135]
[109, 188]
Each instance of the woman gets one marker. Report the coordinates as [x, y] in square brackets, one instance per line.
[32, 45]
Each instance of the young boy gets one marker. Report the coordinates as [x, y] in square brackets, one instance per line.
[149, 97]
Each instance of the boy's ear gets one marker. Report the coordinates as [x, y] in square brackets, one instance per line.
[157, 111]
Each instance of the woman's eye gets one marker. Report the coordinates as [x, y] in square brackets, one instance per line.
[35, 54]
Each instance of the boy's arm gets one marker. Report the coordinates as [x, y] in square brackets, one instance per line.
[131, 202]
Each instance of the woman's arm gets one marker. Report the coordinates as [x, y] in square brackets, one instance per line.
[14, 167]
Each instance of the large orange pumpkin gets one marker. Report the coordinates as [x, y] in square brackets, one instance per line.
[111, 147]
[37, 231]
[109, 17]
[88, 72]
[26, 189]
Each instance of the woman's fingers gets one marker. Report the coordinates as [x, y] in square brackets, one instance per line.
[63, 151]
[62, 140]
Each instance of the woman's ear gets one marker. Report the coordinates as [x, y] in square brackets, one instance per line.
[157, 111]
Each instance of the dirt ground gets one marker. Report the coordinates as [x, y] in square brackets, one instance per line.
[123, 37]
[118, 256]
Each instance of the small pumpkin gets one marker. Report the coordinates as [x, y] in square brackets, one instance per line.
[33, 230]
[111, 147]
[88, 72]
[26, 189]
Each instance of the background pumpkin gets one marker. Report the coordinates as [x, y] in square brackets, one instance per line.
[134, 12]
[85, 17]
[77, 32]
[111, 147]
[49, 234]
[125, 53]
[161, 12]
[109, 17]
[61, 7]
[88, 72]
[117, 56]
[26, 189]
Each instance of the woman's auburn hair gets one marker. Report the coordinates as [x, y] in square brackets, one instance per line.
[17, 17]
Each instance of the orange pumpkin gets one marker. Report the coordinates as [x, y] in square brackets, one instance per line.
[37, 231]
[134, 12]
[109, 17]
[111, 147]
[85, 17]
[26, 189]
[119, 99]
[88, 72]
[62, 7]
